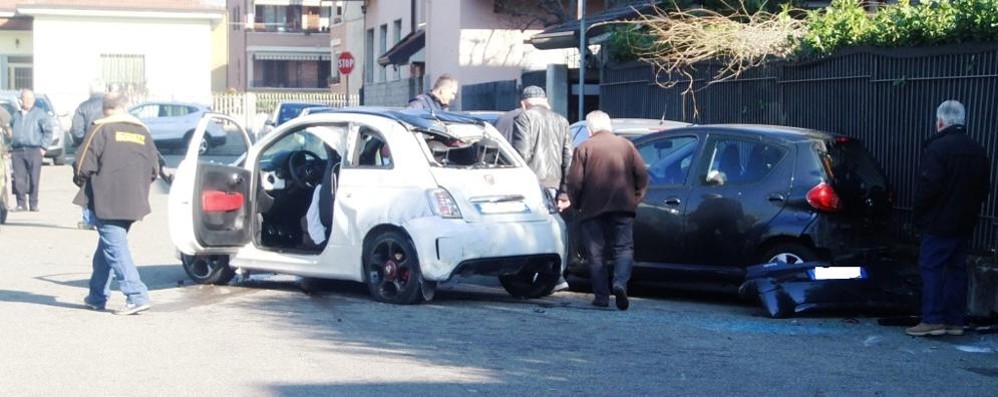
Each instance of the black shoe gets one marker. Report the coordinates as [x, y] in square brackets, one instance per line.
[34, 209]
[601, 301]
[620, 296]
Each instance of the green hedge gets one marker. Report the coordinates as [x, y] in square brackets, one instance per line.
[846, 23]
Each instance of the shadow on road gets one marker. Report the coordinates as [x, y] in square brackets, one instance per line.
[392, 388]
[27, 297]
[41, 225]
[156, 277]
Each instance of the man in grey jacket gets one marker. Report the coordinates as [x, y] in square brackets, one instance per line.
[542, 138]
[89, 111]
[31, 133]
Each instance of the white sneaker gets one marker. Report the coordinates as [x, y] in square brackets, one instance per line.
[131, 309]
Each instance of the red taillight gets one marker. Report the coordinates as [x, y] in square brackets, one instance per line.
[824, 198]
[218, 201]
[841, 139]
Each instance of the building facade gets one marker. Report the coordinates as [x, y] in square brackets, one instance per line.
[281, 45]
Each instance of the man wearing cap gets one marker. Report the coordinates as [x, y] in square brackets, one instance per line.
[542, 138]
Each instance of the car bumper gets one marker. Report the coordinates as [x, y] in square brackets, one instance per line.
[872, 282]
[447, 247]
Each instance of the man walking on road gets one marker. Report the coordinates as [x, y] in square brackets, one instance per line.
[606, 182]
[117, 163]
[953, 180]
[31, 133]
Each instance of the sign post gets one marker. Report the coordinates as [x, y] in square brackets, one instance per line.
[344, 62]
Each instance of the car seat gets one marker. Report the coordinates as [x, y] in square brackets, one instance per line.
[730, 164]
[761, 160]
[328, 192]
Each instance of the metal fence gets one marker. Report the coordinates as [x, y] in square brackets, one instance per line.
[886, 98]
[249, 107]
[496, 95]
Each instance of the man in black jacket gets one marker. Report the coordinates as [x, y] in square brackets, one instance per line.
[85, 115]
[953, 180]
[542, 138]
[439, 98]
[117, 163]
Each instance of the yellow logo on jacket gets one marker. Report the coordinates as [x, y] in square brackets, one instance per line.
[129, 137]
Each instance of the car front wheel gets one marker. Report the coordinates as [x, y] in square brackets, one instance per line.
[208, 269]
[392, 269]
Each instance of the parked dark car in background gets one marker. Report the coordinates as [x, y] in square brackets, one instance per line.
[725, 197]
[627, 128]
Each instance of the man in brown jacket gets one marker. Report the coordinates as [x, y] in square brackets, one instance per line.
[117, 163]
[606, 182]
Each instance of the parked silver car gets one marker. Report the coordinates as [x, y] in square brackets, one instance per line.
[172, 124]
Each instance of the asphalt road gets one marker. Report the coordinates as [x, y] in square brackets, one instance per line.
[277, 336]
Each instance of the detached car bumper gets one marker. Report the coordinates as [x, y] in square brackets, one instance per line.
[452, 246]
[877, 283]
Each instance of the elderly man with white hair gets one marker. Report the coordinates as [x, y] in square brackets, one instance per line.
[607, 180]
[953, 180]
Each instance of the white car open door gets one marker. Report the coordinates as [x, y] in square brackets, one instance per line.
[210, 206]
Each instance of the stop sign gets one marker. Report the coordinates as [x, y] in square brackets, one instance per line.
[344, 62]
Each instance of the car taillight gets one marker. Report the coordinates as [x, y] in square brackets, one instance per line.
[823, 198]
[443, 204]
[218, 201]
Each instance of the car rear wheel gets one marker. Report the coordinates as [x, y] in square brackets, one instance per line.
[208, 269]
[392, 269]
[529, 285]
[203, 147]
[789, 253]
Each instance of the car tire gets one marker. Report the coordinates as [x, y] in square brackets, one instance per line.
[205, 142]
[391, 269]
[790, 253]
[529, 285]
[208, 269]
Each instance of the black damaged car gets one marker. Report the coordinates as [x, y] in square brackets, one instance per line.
[723, 198]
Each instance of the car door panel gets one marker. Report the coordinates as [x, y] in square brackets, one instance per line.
[210, 206]
[733, 199]
[658, 225]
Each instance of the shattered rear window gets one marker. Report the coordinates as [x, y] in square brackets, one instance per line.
[467, 146]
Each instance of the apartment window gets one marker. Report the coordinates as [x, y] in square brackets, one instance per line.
[383, 40]
[338, 13]
[236, 18]
[304, 71]
[396, 38]
[369, 56]
[291, 18]
[126, 70]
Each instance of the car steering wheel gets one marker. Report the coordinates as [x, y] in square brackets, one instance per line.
[302, 173]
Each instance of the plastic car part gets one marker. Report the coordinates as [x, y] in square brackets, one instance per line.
[787, 289]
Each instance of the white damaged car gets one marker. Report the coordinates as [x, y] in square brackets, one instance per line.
[397, 199]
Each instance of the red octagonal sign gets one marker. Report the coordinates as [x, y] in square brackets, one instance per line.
[344, 62]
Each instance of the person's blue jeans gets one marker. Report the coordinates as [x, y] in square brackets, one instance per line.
[609, 236]
[943, 262]
[88, 216]
[114, 257]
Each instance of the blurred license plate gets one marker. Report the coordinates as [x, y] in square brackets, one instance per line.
[506, 207]
[836, 273]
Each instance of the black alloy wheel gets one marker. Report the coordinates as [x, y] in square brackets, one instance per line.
[392, 269]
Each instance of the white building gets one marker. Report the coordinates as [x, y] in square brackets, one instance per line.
[160, 48]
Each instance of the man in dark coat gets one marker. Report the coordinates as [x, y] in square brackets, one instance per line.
[117, 163]
[89, 111]
[439, 98]
[607, 180]
[31, 133]
[953, 181]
